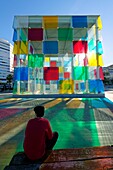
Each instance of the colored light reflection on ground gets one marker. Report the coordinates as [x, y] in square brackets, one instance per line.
[78, 122]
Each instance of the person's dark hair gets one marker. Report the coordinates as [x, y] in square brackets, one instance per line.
[39, 111]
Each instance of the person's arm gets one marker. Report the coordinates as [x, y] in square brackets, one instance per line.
[49, 132]
[27, 128]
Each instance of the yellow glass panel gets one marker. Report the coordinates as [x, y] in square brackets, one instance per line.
[66, 87]
[24, 47]
[16, 47]
[50, 21]
[92, 60]
[100, 60]
[47, 59]
[60, 69]
[99, 23]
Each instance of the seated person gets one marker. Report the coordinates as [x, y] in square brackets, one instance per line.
[39, 137]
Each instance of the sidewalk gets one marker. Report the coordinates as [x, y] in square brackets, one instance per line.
[89, 121]
[109, 95]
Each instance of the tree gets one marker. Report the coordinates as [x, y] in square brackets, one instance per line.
[9, 79]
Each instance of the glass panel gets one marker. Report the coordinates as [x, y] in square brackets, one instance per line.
[50, 34]
[15, 35]
[80, 34]
[80, 73]
[35, 22]
[93, 86]
[20, 22]
[65, 47]
[64, 21]
[35, 47]
[50, 47]
[50, 21]
[51, 73]
[23, 34]
[99, 23]
[66, 86]
[92, 59]
[100, 60]
[23, 47]
[80, 47]
[80, 60]
[91, 20]
[79, 21]
[35, 60]
[65, 34]
[35, 34]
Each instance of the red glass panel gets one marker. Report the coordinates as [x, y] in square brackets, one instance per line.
[35, 34]
[51, 73]
[66, 75]
[53, 63]
[101, 73]
[80, 47]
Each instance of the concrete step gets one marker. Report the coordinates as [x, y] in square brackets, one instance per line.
[68, 159]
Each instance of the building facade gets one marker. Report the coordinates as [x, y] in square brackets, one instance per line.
[6, 59]
[58, 55]
[108, 75]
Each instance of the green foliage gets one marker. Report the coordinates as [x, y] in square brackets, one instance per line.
[9, 78]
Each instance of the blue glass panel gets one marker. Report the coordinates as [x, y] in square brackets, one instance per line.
[93, 86]
[100, 49]
[91, 45]
[100, 86]
[21, 74]
[50, 47]
[79, 21]
[82, 86]
[17, 74]
[67, 62]
[15, 36]
[24, 73]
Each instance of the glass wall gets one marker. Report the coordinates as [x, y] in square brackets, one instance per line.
[57, 55]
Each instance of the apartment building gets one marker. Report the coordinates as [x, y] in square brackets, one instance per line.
[108, 74]
[6, 59]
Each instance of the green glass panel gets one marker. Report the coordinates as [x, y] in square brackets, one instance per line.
[24, 34]
[30, 61]
[80, 73]
[65, 34]
[39, 59]
[35, 60]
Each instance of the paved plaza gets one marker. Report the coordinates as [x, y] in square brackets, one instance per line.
[80, 122]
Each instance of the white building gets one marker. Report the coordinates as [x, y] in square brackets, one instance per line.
[6, 59]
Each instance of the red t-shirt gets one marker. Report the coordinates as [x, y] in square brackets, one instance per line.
[37, 131]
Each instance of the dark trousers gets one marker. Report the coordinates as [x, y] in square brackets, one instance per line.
[49, 146]
[50, 143]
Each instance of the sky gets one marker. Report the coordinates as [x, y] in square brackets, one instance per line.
[104, 8]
